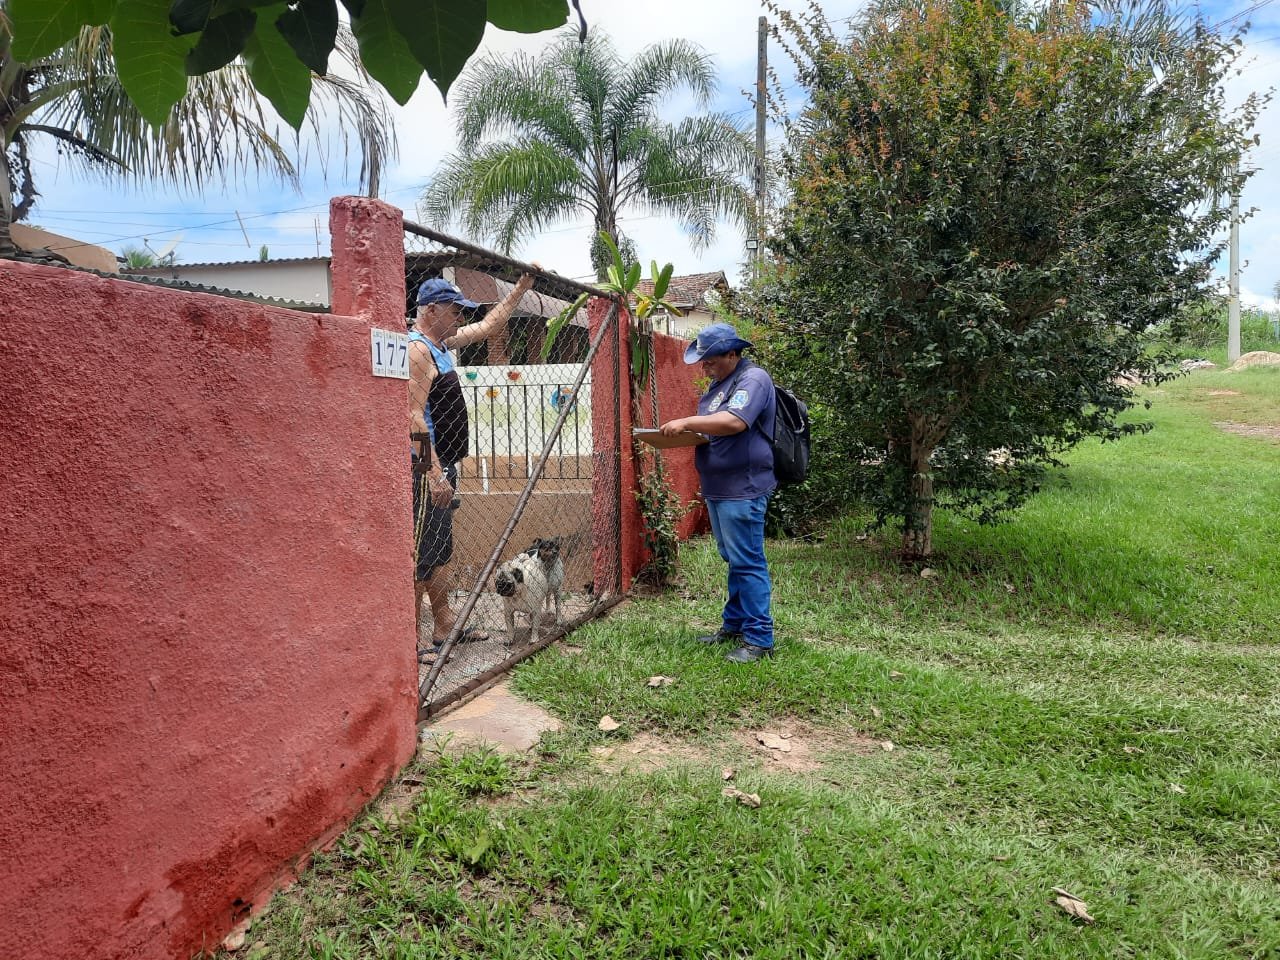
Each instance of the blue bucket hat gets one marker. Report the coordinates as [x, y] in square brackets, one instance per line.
[714, 340]
[442, 291]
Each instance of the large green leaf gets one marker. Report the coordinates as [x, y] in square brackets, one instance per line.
[311, 28]
[441, 33]
[40, 27]
[384, 51]
[221, 41]
[528, 16]
[226, 6]
[150, 60]
[190, 16]
[276, 71]
[558, 323]
[661, 280]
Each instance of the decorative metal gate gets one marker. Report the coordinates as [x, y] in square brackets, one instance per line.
[534, 522]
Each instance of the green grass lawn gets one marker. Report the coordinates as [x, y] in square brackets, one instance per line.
[1087, 697]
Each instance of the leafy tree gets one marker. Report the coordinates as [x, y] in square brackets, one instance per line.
[75, 98]
[989, 207]
[159, 43]
[576, 130]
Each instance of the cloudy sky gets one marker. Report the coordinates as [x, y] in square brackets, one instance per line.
[233, 224]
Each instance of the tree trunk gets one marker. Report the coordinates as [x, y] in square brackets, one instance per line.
[917, 522]
[7, 249]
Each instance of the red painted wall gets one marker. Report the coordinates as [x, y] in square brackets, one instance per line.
[615, 514]
[206, 624]
[678, 397]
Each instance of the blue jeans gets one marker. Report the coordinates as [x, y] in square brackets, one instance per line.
[738, 526]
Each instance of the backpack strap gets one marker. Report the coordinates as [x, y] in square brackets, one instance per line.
[737, 375]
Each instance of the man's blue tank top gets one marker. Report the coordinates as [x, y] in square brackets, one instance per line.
[445, 410]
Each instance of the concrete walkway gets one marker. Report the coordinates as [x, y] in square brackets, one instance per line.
[496, 717]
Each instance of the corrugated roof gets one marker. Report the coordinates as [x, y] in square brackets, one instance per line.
[186, 286]
[420, 265]
[184, 265]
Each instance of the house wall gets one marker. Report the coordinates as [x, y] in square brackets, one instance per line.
[206, 651]
[303, 281]
[687, 324]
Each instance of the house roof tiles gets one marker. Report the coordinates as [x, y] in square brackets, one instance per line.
[689, 290]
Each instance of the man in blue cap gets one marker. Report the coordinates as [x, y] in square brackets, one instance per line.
[437, 409]
[736, 471]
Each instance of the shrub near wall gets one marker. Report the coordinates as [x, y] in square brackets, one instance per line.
[206, 664]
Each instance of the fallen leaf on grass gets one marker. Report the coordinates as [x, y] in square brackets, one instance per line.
[661, 681]
[751, 800]
[886, 746]
[608, 724]
[928, 573]
[896, 674]
[774, 741]
[235, 939]
[727, 773]
[603, 752]
[1072, 905]
[1132, 750]
[1000, 859]
[1177, 788]
[1009, 587]
[877, 712]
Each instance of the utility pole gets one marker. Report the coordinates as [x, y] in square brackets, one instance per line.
[762, 62]
[1233, 284]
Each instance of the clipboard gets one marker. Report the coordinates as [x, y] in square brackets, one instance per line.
[660, 441]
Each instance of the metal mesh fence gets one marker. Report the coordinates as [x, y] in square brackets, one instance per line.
[516, 463]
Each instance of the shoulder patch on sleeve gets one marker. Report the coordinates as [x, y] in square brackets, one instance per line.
[739, 399]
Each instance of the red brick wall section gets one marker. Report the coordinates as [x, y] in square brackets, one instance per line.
[678, 397]
[615, 514]
[206, 656]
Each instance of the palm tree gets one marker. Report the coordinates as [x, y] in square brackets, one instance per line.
[576, 131]
[219, 129]
[137, 259]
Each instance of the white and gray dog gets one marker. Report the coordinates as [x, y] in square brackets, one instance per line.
[530, 583]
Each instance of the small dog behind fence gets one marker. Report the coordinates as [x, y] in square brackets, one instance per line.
[531, 583]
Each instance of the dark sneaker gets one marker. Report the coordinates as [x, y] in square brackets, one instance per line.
[748, 653]
[721, 636]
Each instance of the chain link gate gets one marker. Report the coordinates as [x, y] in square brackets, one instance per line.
[529, 547]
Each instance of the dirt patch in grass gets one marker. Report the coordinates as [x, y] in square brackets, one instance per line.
[787, 746]
[645, 752]
[1249, 430]
[398, 799]
[794, 746]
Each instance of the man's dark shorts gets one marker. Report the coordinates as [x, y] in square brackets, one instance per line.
[432, 527]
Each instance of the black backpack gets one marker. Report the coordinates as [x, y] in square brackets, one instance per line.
[790, 440]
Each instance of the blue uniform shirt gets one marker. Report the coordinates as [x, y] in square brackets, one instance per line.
[739, 467]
